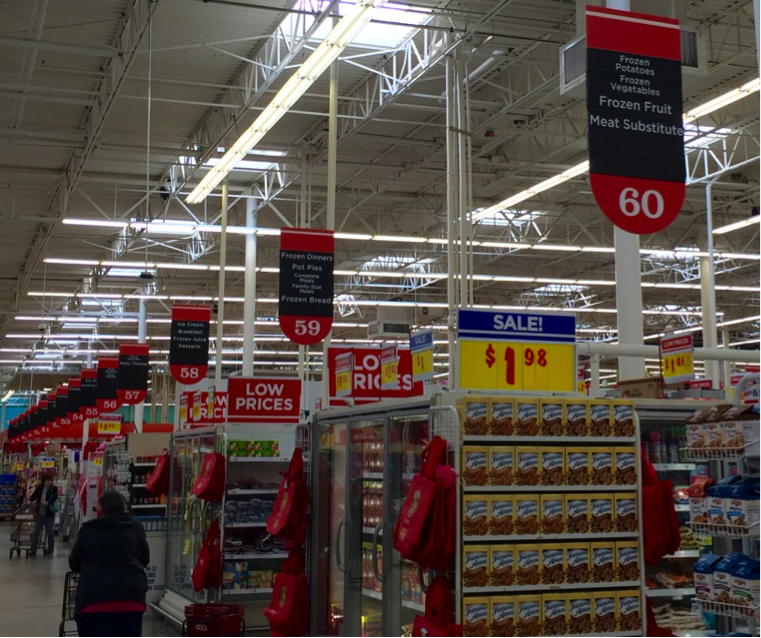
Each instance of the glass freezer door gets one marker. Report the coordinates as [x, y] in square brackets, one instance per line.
[407, 436]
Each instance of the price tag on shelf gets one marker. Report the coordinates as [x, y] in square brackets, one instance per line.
[20, 467]
[421, 348]
[48, 464]
[517, 351]
[343, 371]
[389, 359]
[97, 461]
[110, 425]
[677, 358]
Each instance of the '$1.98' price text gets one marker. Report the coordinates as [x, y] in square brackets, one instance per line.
[529, 358]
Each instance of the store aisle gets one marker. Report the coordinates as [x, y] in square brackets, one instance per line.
[31, 592]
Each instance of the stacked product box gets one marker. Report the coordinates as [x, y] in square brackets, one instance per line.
[550, 517]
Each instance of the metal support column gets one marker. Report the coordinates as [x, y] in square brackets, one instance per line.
[594, 380]
[249, 298]
[452, 214]
[221, 288]
[708, 293]
[142, 333]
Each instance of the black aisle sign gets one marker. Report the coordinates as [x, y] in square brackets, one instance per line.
[75, 394]
[635, 132]
[189, 343]
[88, 398]
[132, 378]
[305, 300]
[107, 395]
[62, 407]
[52, 409]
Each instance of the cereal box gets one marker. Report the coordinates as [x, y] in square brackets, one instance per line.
[502, 616]
[603, 561]
[629, 610]
[623, 418]
[602, 465]
[475, 617]
[527, 417]
[627, 561]
[602, 516]
[600, 418]
[527, 514]
[501, 465]
[502, 572]
[502, 521]
[553, 513]
[626, 512]
[580, 613]
[578, 562]
[625, 465]
[551, 415]
[527, 466]
[502, 422]
[745, 584]
[475, 517]
[552, 465]
[576, 417]
[577, 513]
[528, 610]
[475, 566]
[554, 614]
[606, 612]
[722, 576]
[577, 461]
[553, 564]
[702, 572]
[529, 565]
[474, 464]
[474, 414]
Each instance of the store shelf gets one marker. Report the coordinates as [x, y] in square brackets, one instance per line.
[259, 459]
[673, 467]
[585, 440]
[506, 538]
[671, 593]
[147, 506]
[138, 485]
[244, 492]
[245, 525]
[685, 553]
[256, 556]
[484, 489]
[371, 531]
[247, 592]
[562, 587]
[724, 609]
[726, 531]
[371, 593]
[152, 464]
[378, 476]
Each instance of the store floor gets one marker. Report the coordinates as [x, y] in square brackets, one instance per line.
[31, 592]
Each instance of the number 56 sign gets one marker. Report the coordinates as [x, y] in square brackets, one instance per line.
[517, 351]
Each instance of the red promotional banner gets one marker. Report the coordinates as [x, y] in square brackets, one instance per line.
[107, 394]
[305, 299]
[132, 375]
[366, 376]
[635, 133]
[189, 343]
[263, 400]
[88, 398]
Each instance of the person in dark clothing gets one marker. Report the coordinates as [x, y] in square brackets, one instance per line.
[110, 555]
[43, 499]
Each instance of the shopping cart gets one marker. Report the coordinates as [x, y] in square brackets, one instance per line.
[214, 620]
[67, 611]
[21, 537]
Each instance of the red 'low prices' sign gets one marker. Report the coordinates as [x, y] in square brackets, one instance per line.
[635, 133]
[261, 400]
[305, 298]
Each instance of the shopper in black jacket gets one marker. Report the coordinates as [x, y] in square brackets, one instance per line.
[43, 500]
[111, 554]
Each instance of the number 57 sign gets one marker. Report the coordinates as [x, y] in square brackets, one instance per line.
[517, 351]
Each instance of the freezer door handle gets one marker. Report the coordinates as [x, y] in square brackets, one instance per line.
[376, 534]
[339, 563]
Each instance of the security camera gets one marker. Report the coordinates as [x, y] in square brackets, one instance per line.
[42, 327]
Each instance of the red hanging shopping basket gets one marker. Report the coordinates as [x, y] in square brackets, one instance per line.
[210, 484]
[289, 515]
[214, 619]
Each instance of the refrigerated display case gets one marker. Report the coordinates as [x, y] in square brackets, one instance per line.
[363, 461]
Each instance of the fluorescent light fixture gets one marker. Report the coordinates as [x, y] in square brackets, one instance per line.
[753, 219]
[722, 101]
[313, 67]
[7, 396]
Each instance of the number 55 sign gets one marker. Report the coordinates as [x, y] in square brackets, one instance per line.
[517, 350]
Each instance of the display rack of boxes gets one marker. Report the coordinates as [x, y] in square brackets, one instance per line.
[7, 494]
[551, 517]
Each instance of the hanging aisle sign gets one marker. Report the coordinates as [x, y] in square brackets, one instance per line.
[52, 409]
[389, 360]
[635, 133]
[343, 373]
[421, 348]
[73, 411]
[107, 393]
[517, 350]
[132, 376]
[189, 343]
[62, 419]
[305, 299]
[88, 397]
[677, 358]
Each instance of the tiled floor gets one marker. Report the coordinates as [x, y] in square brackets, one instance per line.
[31, 592]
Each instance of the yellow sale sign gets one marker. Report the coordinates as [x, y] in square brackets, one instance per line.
[109, 426]
[676, 358]
[344, 370]
[389, 360]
